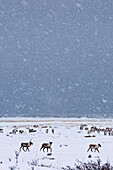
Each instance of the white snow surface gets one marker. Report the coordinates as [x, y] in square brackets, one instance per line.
[69, 142]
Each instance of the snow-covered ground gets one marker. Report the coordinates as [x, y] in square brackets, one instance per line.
[69, 142]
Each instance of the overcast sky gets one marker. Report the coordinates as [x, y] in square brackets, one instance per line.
[56, 57]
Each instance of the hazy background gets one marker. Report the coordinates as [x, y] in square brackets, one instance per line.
[56, 57]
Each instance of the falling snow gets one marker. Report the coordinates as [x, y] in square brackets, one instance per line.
[56, 58]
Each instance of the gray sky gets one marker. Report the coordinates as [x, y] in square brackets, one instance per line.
[56, 57]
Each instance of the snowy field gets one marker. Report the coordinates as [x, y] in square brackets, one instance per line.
[70, 143]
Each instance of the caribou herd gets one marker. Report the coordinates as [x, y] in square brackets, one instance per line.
[26, 145]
